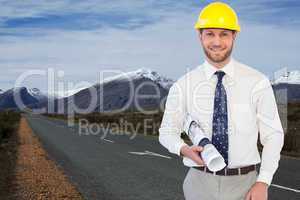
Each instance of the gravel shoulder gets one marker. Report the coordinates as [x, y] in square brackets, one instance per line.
[26, 171]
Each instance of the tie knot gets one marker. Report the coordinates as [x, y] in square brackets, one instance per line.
[220, 75]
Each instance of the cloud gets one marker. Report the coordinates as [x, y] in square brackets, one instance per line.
[283, 14]
[47, 13]
[85, 37]
[23, 18]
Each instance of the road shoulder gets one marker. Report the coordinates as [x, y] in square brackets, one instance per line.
[31, 174]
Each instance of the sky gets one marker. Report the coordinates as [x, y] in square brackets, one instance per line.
[78, 39]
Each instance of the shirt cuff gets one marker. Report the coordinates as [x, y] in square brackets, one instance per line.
[177, 147]
[265, 177]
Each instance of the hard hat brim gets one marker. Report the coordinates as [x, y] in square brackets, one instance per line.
[237, 28]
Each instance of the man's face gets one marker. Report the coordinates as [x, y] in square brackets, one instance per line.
[217, 43]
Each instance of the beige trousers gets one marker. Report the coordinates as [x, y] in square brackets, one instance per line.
[200, 185]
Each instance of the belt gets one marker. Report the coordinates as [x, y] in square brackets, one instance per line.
[230, 171]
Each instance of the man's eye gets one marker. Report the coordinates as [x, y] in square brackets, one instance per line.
[209, 34]
[225, 34]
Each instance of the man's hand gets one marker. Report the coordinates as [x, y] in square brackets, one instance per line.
[259, 191]
[192, 152]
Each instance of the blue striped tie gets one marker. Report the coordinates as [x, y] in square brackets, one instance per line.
[220, 118]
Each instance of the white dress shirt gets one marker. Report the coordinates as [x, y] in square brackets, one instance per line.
[252, 111]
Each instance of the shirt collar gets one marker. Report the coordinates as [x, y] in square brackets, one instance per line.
[210, 69]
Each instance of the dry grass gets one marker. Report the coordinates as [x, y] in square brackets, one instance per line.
[29, 174]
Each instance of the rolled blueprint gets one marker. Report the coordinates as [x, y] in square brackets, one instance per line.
[210, 155]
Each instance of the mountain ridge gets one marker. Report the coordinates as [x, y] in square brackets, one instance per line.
[116, 92]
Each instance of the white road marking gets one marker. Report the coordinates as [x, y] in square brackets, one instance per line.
[159, 155]
[108, 140]
[286, 188]
[137, 153]
[149, 153]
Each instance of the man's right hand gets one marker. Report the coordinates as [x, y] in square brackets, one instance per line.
[192, 152]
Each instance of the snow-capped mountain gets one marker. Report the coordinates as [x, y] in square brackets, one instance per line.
[36, 93]
[287, 87]
[125, 91]
[143, 73]
[142, 88]
[27, 96]
[66, 93]
[291, 77]
[140, 73]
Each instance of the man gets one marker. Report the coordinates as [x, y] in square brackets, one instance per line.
[234, 104]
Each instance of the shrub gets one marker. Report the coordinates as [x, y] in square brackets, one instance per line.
[8, 123]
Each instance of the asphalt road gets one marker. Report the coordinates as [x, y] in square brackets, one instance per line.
[119, 168]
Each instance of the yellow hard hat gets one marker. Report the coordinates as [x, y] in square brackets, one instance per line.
[218, 15]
